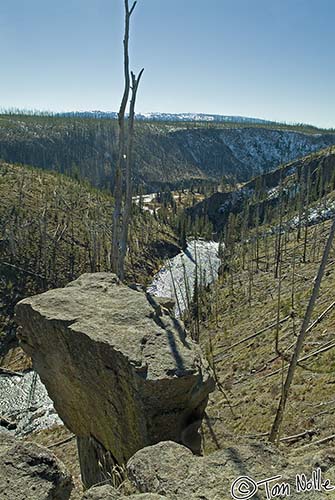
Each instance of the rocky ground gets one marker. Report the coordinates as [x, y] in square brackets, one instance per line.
[167, 470]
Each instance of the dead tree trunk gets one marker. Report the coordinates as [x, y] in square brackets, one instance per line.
[280, 230]
[120, 218]
[129, 184]
[306, 216]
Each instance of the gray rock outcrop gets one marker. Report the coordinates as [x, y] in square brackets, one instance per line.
[120, 370]
[31, 472]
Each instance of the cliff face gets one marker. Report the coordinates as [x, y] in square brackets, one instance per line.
[242, 152]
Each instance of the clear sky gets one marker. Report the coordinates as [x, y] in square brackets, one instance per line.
[271, 59]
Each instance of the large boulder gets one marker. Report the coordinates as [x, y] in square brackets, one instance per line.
[120, 370]
[31, 472]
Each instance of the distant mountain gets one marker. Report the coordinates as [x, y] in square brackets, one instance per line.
[172, 117]
[198, 117]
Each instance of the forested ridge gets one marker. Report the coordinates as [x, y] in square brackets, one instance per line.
[166, 155]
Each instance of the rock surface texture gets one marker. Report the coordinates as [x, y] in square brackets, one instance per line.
[109, 493]
[31, 472]
[120, 370]
[170, 470]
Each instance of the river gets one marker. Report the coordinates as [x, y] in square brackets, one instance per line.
[24, 401]
[177, 277]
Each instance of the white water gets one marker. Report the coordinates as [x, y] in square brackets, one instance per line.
[176, 279]
[145, 198]
[25, 401]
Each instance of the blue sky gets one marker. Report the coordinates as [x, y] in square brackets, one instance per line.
[265, 58]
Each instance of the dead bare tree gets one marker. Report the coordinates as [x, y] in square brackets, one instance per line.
[274, 434]
[121, 215]
[278, 242]
[129, 162]
[306, 215]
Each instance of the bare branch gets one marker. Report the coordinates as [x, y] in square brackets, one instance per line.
[320, 441]
[252, 336]
[62, 441]
[132, 9]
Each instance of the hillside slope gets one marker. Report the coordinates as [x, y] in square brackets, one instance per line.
[166, 154]
[259, 198]
[239, 333]
[53, 228]
[251, 317]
